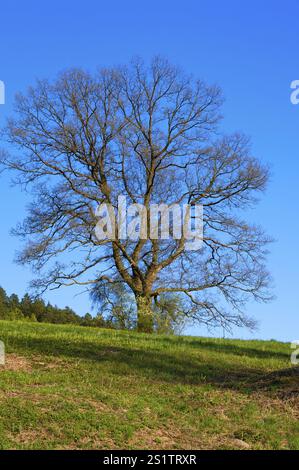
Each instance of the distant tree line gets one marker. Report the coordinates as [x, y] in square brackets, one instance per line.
[36, 309]
[118, 315]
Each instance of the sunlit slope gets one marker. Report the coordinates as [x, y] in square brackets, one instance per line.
[75, 387]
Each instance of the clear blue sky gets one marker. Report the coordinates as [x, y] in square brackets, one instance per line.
[249, 48]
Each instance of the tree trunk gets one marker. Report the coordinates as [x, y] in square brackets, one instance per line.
[145, 322]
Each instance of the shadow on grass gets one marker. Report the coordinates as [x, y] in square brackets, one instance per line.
[224, 347]
[157, 365]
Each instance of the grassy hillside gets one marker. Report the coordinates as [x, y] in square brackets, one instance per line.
[74, 387]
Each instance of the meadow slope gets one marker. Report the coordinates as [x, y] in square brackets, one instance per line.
[68, 387]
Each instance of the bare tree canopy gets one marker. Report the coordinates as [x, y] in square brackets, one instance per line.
[151, 134]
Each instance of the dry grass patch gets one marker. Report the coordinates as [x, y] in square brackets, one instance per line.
[29, 436]
[16, 363]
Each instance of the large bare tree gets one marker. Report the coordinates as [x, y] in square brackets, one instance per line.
[152, 134]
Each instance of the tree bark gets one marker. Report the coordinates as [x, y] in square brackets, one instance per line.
[145, 323]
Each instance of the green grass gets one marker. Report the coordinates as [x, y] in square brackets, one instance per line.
[75, 387]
